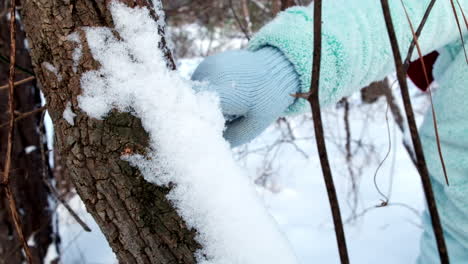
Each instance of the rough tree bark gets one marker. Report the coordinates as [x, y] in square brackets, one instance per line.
[139, 223]
[26, 175]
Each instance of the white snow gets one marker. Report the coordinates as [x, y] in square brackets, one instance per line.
[298, 199]
[53, 70]
[78, 51]
[30, 149]
[68, 114]
[212, 193]
[31, 241]
[77, 245]
[386, 235]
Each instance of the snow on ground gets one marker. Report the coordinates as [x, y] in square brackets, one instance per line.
[296, 197]
[78, 246]
[300, 206]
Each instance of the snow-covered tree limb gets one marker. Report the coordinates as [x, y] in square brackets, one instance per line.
[140, 224]
[145, 152]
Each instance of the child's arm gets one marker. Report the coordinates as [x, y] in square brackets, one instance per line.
[356, 49]
[255, 86]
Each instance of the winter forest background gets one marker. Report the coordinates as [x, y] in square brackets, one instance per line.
[366, 150]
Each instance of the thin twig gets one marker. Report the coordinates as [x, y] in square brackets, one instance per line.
[24, 115]
[313, 98]
[389, 150]
[398, 117]
[51, 188]
[463, 14]
[426, 76]
[18, 82]
[365, 211]
[11, 109]
[459, 29]
[239, 22]
[422, 167]
[418, 33]
[246, 11]
[7, 61]
[349, 156]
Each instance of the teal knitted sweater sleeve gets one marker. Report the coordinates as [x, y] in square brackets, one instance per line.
[355, 49]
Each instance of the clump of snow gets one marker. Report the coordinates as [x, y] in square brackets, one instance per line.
[53, 70]
[211, 193]
[78, 51]
[31, 241]
[68, 114]
[29, 149]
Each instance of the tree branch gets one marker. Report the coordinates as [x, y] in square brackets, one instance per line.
[433, 112]
[239, 22]
[418, 33]
[18, 82]
[24, 115]
[422, 167]
[313, 98]
[11, 109]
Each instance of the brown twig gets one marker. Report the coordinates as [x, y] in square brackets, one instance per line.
[18, 82]
[246, 11]
[463, 14]
[389, 150]
[398, 117]
[434, 116]
[24, 115]
[368, 209]
[418, 33]
[11, 109]
[239, 22]
[313, 98]
[51, 188]
[422, 167]
[459, 28]
[5, 60]
[349, 156]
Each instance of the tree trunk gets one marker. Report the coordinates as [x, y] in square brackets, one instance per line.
[31, 194]
[140, 224]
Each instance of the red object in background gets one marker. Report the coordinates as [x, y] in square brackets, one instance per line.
[416, 73]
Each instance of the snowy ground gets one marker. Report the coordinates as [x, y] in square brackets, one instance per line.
[296, 195]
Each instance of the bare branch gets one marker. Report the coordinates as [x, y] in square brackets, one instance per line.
[11, 109]
[459, 28]
[422, 167]
[24, 115]
[313, 98]
[239, 22]
[18, 82]
[418, 33]
[434, 116]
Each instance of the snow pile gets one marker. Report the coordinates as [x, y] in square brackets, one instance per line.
[211, 193]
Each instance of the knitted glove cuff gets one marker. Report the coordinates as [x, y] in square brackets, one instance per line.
[292, 33]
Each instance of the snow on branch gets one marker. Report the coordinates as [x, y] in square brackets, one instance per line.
[187, 150]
